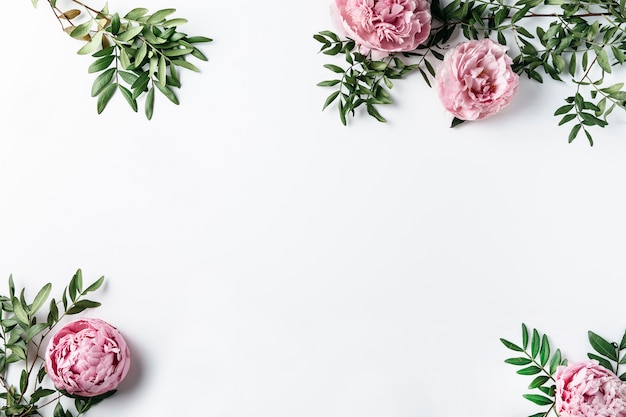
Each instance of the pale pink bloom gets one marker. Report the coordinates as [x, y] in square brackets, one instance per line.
[586, 389]
[87, 357]
[475, 79]
[383, 26]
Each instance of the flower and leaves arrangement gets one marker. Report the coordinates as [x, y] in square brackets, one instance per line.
[593, 387]
[138, 53]
[474, 52]
[82, 364]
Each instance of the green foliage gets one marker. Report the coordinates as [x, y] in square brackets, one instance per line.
[539, 361]
[133, 53]
[23, 327]
[578, 42]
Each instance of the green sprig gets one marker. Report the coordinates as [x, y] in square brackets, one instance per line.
[539, 361]
[23, 328]
[136, 54]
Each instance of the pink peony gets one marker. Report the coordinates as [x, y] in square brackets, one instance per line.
[384, 26]
[475, 79]
[586, 389]
[87, 357]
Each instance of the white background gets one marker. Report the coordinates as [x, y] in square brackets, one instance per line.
[264, 260]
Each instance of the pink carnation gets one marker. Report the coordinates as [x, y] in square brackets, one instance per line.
[87, 357]
[384, 26]
[586, 389]
[475, 79]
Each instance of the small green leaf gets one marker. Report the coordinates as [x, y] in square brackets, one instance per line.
[101, 64]
[167, 92]
[102, 81]
[104, 97]
[544, 353]
[602, 346]
[81, 30]
[115, 24]
[136, 13]
[149, 105]
[185, 64]
[511, 346]
[531, 370]
[35, 330]
[20, 312]
[94, 44]
[518, 361]
[535, 343]
[95, 285]
[160, 16]
[40, 298]
[538, 399]
[82, 305]
[129, 34]
[538, 381]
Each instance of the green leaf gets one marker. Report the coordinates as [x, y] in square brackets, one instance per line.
[511, 346]
[81, 30]
[518, 361]
[77, 280]
[129, 97]
[328, 83]
[94, 44]
[531, 370]
[101, 64]
[603, 59]
[602, 346]
[174, 22]
[58, 410]
[198, 39]
[40, 393]
[35, 330]
[115, 24]
[82, 305]
[334, 68]
[105, 96]
[40, 298]
[185, 64]
[141, 54]
[136, 13]
[167, 92]
[129, 34]
[538, 381]
[20, 312]
[149, 105]
[555, 361]
[524, 336]
[535, 343]
[538, 399]
[162, 70]
[603, 361]
[544, 353]
[95, 285]
[160, 16]
[102, 81]
[574, 132]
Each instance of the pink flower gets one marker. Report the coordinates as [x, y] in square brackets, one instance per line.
[384, 26]
[475, 79]
[586, 389]
[87, 357]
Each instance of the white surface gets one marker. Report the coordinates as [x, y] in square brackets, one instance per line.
[263, 260]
